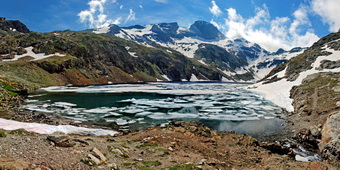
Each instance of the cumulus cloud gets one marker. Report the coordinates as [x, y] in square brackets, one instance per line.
[131, 17]
[95, 16]
[271, 34]
[215, 10]
[329, 12]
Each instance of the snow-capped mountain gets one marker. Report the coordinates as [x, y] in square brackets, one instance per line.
[238, 59]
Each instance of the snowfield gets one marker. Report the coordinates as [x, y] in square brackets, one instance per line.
[50, 129]
[279, 92]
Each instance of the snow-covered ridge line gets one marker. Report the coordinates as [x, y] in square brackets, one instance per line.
[50, 129]
[279, 92]
[34, 55]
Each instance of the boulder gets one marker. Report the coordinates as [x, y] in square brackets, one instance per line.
[330, 141]
[94, 158]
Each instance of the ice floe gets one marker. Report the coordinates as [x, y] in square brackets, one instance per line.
[182, 101]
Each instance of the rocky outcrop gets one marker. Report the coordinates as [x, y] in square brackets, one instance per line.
[12, 26]
[206, 30]
[330, 143]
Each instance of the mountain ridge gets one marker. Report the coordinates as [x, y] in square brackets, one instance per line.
[190, 41]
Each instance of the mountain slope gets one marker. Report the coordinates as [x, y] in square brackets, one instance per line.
[309, 86]
[236, 58]
[79, 58]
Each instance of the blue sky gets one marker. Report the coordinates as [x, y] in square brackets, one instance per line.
[271, 23]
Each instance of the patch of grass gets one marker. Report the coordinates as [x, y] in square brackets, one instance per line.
[20, 132]
[165, 151]
[147, 145]
[151, 163]
[176, 168]
[128, 164]
[2, 134]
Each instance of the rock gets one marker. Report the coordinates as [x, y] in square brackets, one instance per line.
[330, 141]
[192, 129]
[178, 123]
[118, 151]
[99, 154]
[95, 158]
[331, 150]
[306, 139]
[202, 162]
[113, 166]
[9, 163]
[61, 141]
[300, 158]
[315, 132]
[170, 149]
[276, 148]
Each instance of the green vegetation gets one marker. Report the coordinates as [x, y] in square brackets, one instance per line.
[317, 92]
[2, 134]
[20, 132]
[176, 168]
[147, 145]
[94, 59]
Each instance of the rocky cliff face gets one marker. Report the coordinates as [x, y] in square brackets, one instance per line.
[206, 30]
[12, 26]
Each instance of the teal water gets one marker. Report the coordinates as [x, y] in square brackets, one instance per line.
[221, 106]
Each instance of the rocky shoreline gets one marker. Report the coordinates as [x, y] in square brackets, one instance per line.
[181, 145]
[226, 150]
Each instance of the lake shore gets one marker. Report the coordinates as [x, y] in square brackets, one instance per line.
[193, 146]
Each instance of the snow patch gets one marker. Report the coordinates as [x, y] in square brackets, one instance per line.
[279, 92]
[50, 129]
[34, 55]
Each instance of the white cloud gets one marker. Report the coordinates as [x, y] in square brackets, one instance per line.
[215, 10]
[271, 34]
[329, 12]
[131, 17]
[216, 24]
[117, 21]
[141, 6]
[162, 1]
[95, 16]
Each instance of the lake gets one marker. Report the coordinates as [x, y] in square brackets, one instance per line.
[221, 106]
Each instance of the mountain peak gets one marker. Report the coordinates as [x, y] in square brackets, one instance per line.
[206, 30]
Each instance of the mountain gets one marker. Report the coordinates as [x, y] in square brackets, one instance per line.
[308, 85]
[80, 58]
[12, 26]
[237, 58]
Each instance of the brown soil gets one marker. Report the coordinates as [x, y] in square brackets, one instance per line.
[187, 145]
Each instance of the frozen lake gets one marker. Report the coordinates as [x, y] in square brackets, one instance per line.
[221, 106]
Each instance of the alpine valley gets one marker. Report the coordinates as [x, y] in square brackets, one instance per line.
[305, 82]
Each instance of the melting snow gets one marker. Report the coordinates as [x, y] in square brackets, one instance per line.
[279, 92]
[50, 129]
[34, 55]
